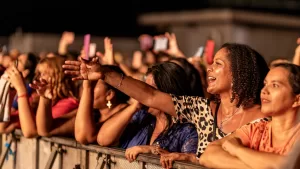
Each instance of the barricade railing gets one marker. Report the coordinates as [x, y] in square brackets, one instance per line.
[19, 152]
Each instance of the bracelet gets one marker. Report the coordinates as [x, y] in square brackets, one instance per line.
[122, 77]
[22, 95]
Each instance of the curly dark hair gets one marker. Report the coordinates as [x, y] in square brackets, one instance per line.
[249, 70]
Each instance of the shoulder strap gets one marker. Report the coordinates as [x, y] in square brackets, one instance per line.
[215, 122]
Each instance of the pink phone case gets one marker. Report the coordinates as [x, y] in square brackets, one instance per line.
[209, 51]
[86, 47]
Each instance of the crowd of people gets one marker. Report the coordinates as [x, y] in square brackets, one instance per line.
[236, 112]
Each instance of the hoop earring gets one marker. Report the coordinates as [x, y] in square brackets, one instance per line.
[108, 104]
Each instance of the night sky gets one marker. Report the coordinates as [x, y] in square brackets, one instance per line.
[111, 17]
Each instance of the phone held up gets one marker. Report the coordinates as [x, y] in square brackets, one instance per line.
[209, 51]
[161, 44]
[88, 47]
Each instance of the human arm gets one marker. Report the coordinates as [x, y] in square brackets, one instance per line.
[26, 117]
[86, 128]
[132, 152]
[66, 39]
[296, 59]
[252, 158]
[173, 49]
[188, 143]
[142, 92]
[215, 156]
[47, 120]
[112, 129]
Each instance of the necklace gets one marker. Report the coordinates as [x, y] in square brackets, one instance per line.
[228, 118]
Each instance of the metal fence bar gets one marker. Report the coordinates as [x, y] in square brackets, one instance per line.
[107, 152]
[4, 154]
[52, 158]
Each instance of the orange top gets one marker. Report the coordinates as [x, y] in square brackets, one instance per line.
[258, 136]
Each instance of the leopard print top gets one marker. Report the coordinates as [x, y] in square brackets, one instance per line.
[197, 110]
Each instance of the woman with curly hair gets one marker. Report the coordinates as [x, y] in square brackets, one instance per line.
[56, 97]
[235, 78]
[264, 144]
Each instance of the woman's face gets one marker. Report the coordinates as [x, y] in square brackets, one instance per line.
[22, 59]
[150, 81]
[100, 93]
[43, 71]
[276, 95]
[219, 76]
[21, 62]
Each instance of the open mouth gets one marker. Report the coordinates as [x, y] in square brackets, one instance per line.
[263, 100]
[211, 79]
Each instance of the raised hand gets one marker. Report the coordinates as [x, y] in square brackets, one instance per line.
[108, 57]
[173, 45]
[137, 60]
[67, 38]
[296, 59]
[43, 87]
[15, 78]
[83, 70]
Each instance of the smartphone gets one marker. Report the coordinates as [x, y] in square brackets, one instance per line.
[86, 46]
[161, 44]
[209, 51]
[199, 52]
[92, 49]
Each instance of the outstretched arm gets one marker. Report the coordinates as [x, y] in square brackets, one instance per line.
[136, 89]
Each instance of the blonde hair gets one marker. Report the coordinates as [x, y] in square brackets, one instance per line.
[61, 85]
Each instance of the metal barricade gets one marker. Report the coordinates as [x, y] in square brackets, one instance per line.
[66, 153]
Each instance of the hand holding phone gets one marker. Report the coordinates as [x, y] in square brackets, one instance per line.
[199, 52]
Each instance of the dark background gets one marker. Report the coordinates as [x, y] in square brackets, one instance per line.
[113, 17]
